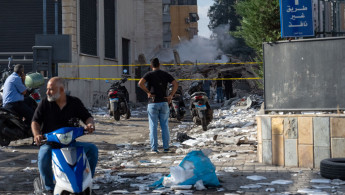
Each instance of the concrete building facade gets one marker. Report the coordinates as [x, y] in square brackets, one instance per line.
[180, 21]
[111, 33]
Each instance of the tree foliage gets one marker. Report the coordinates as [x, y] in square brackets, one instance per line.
[222, 12]
[260, 22]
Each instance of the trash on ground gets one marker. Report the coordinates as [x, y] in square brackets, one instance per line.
[199, 185]
[251, 186]
[270, 190]
[282, 182]
[181, 187]
[320, 181]
[256, 177]
[194, 167]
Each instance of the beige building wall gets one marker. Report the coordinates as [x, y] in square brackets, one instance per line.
[180, 25]
[139, 21]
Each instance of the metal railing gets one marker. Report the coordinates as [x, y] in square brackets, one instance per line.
[16, 57]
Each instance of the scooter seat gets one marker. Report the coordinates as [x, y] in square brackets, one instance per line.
[198, 93]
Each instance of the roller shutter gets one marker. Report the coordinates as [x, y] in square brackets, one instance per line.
[21, 20]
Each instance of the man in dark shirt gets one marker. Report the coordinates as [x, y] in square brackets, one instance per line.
[228, 88]
[158, 108]
[54, 112]
[219, 85]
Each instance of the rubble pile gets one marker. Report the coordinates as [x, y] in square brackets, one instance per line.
[232, 131]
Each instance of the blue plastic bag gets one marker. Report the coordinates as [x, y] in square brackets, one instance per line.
[203, 170]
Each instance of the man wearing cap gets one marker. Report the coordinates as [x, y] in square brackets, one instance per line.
[13, 94]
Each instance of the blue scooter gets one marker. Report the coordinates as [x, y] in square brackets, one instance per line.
[71, 167]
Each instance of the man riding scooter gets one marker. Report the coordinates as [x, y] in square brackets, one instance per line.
[55, 112]
[13, 95]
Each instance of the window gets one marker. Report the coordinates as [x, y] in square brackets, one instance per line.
[109, 29]
[184, 2]
[193, 17]
[166, 44]
[88, 27]
[166, 9]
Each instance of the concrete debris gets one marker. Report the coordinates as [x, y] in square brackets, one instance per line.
[312, 191]
[229, 169]
[181, 187]
[251, 186]
[321, 186]
[119, 192]
[184, 192]
[256, 177]
[324, 181]
[270, 190]
[199, 185]
[337, 182]
[282, 182]
[162, 191]
[96, 187]
[30, 169]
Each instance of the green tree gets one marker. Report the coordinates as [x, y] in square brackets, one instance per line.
[260, 22]
[222, 12]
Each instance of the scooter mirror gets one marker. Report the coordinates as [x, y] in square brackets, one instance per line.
[125, 71]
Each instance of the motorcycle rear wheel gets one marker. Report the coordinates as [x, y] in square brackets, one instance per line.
[128, 114]
[117, 115]
[204, 124]
[4, 141]
[179, 117]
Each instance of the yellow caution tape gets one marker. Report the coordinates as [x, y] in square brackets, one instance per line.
[64, 66]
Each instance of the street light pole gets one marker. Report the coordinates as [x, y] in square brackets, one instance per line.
[44, 17]
[56, 17]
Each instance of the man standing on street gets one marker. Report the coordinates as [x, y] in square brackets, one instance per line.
[54, 112]
[206, 86]
[158, 108]
[219, 87]
[228, 88]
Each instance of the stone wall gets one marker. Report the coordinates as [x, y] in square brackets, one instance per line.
[300, 140]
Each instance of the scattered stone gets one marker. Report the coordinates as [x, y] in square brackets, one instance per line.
[282, 182]
[199, 185]
[251, 186]
[321, 187]
[270, 190]
[119, 192]
[320, 181]
[229, 169]
[256, 177]
[181, 187]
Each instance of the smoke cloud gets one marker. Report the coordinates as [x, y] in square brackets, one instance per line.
[201, 49]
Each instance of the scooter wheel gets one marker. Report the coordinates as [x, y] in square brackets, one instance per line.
[204, 124]
[128, 114]
[117, 115]
[4, 141]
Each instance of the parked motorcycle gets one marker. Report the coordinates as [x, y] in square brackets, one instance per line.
[177, 106]
[118, 99]
[71, 167]
[12, 126]
[200, 108]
